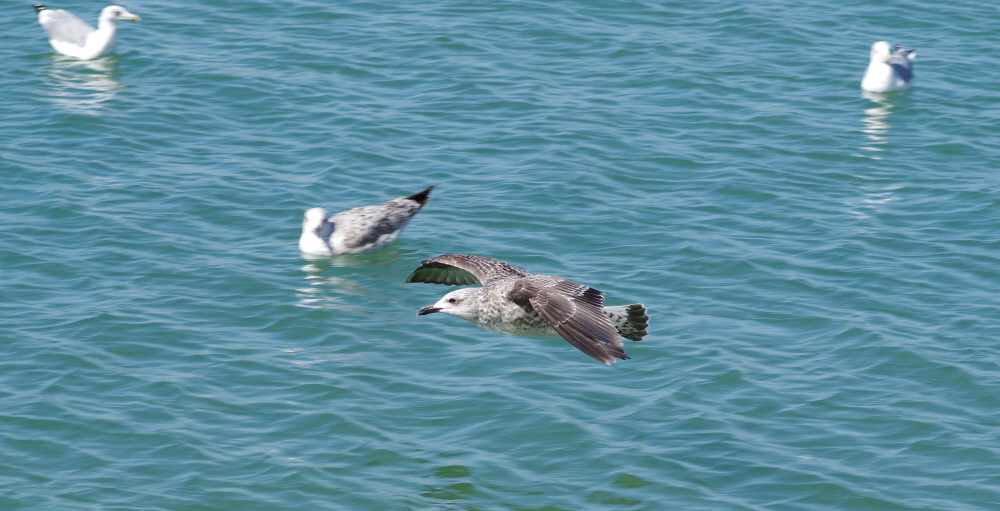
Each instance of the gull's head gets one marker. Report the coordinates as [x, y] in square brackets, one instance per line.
[314, 219]
[117, 13]
[316, 231]
[881, 51]
[462, 303]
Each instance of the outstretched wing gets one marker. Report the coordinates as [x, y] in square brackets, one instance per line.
[64, 27]
[462, 270]
[576, 312]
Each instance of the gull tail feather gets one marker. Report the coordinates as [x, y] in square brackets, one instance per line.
[630, 320]
[422, 197]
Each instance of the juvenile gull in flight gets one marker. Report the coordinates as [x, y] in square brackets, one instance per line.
[359, 229]
[513, 301]
[888, 71]
[72, 36]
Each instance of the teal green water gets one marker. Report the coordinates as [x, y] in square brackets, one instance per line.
[822, 268]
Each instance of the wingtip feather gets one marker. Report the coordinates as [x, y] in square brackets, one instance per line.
[422, 197]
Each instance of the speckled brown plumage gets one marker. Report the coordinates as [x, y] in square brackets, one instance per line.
[513, 301]
[359, 229]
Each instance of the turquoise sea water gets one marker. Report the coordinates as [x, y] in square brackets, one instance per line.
[822, 268]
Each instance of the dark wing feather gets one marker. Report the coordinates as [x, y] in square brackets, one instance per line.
[902, 63]
[462, 270]
[576, 312]
[902, 67]
[422, 197]
[365, 225]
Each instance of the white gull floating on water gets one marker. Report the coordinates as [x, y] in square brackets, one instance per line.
[72, 36]
[888, 71]
[359, 229]
[515, 302]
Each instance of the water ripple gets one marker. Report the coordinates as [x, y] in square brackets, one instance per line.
[820, 264]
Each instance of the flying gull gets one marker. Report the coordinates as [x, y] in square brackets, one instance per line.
[72, 36]
[888, 71]
[359, 229]
[515, 302]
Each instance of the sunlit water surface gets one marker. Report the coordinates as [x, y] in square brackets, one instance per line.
[821, 266]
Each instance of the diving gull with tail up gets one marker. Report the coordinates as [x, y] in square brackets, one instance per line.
[888, 71]
[72, 36]
[515, 302]
[359, 229]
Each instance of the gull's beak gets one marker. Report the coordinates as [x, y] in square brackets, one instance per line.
[428, 309]
[135, 18]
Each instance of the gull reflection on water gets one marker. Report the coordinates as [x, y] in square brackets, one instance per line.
[82, 86]
[876, 121]
[317, 293]
[876, 196]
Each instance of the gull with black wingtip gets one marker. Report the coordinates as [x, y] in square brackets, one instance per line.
[889, 71]
[515, 302]
[74, 37]
[360, 229]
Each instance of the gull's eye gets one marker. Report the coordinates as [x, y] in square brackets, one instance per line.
[451, 300]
